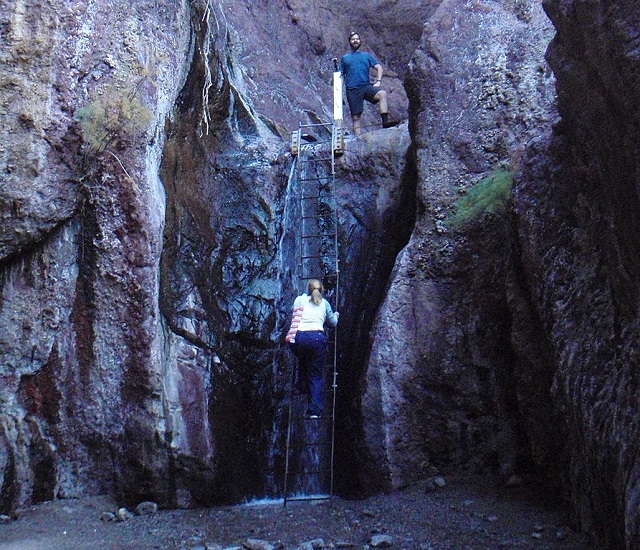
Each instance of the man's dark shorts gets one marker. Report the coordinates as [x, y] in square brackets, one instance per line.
[356, 97]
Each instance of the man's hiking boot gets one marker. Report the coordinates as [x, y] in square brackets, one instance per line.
[391, 123]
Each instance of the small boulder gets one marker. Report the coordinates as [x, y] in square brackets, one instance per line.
[146, 508]
[257, 544]
[123, 514]
[107, 516]
[381, 541]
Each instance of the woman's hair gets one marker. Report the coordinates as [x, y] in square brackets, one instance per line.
[315, 290]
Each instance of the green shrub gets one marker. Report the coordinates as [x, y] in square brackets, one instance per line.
[490, 194]
[115, 116]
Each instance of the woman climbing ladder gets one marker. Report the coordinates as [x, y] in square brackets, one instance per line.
[311, 311]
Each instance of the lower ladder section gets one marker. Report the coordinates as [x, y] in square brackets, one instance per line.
[310, 441]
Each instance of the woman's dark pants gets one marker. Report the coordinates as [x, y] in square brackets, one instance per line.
[311, 348]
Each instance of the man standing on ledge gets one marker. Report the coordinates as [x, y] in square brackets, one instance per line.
[354, 67]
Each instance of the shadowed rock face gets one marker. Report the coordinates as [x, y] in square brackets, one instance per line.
[577, 206]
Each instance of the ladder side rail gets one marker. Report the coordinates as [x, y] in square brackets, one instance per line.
[289, 425]
[337, 127]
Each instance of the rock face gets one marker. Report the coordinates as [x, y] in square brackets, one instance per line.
[444, 385]
[83, 211]
[144, 175]
[581, 260]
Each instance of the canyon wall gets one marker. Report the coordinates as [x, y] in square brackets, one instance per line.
[143, 287]
[444, 385]
[488, 248]
[86, 89]
[577, 203]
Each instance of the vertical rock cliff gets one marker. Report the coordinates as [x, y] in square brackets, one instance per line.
[144, 176]
[86, 88]
[577, 203]
[444, 385]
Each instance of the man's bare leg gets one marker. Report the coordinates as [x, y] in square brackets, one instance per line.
[381, 99]
[356, 124]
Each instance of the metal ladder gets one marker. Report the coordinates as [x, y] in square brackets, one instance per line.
[310, 442]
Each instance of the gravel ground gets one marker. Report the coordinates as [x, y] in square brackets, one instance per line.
[467, 513]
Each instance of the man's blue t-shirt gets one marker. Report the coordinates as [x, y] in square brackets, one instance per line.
[355, 68]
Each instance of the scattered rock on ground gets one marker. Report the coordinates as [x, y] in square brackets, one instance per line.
[146, 508]
[107, 516]
[381, 541]
[257, 544]
[440, 482]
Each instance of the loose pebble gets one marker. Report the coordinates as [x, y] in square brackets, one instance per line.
[258, 544]
[123, 514]
[107, 516]
[146, 508]
[381, 541]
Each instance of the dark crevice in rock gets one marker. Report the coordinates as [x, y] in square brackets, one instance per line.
[371, 261]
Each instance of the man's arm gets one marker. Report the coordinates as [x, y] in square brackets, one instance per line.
[378, 69]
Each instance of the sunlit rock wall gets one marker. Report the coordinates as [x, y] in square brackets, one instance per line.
[443, 386]
[82, 206]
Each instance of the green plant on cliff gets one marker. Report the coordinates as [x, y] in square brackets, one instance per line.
[489, 195]
[114, 117]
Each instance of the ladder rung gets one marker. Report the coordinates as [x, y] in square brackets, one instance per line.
[332, 275]
[301, 498]
[318, 142]
[318, 235]
[317, 256]
[327, 125]
[318, 178]
[316, 472]
[315, 217]
[325, 197]
[319, 159]
[322, 417]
